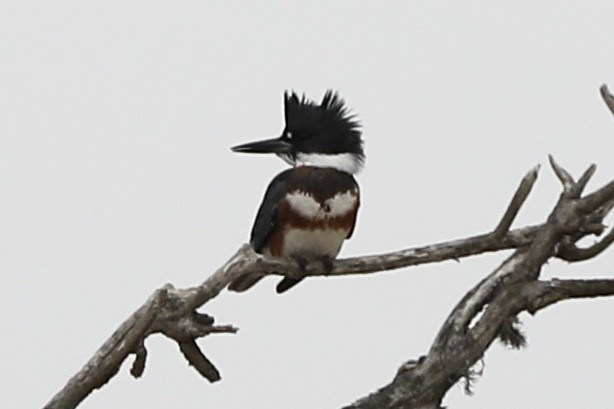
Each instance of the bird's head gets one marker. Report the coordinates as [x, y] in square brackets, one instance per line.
[324, 135]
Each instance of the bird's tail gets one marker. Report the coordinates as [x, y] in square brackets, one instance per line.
[247, 281]
[286, 284]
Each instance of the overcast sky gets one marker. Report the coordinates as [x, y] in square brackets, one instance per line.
[116, 177]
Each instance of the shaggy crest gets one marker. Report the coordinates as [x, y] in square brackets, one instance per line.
[330, 120]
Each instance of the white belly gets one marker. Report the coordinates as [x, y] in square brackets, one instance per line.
[313, 243]
[336, 206]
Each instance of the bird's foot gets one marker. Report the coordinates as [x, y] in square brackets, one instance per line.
[302, 263]
[327, 264]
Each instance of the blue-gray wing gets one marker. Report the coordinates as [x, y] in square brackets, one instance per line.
[265, 224]
[267, 217]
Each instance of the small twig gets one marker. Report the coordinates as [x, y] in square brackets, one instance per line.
[598, 198]
[140, 357]
[564, 176]
[541, 294]
[223, 329]
[571, 252]
[517, 201]
[586, 176]
[198, 360]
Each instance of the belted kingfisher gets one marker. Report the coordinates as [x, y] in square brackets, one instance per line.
[308, 210]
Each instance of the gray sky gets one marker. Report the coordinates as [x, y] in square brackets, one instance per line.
[115, 123]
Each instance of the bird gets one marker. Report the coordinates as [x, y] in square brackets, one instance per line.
[309, 209]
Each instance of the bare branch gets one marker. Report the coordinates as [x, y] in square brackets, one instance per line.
[140, 357]
[573, 253]
[598, 198]
[451, 250]
[163, 312]
[586, 176]
[107, 360]
[541, 294]
[564, 176]
[198, 360]
[517, 201]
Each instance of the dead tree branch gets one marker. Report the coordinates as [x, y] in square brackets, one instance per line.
[486, 312]
[490, 309]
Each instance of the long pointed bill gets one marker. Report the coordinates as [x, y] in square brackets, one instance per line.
[274, 145]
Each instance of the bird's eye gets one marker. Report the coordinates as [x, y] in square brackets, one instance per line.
[289, 135]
